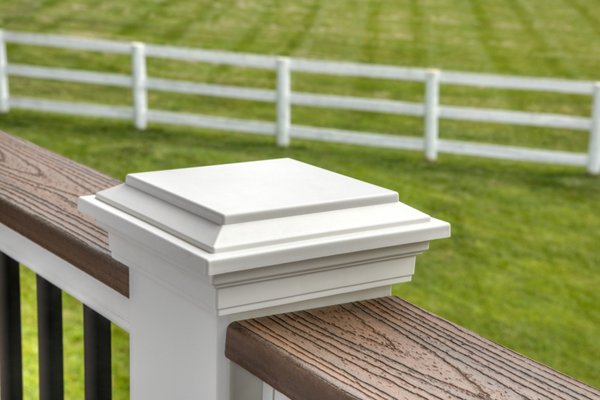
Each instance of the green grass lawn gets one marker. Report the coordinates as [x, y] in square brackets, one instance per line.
[552, 38]
[522, 267]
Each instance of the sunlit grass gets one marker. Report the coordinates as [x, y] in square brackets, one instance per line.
[522, 267]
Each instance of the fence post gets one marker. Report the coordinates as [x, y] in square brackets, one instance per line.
[432, 109]
[140, 98]
[593, 165]
[185, 290]
[284, 110]
[4, 96]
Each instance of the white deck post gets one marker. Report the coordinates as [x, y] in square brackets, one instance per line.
[432, 102]
[593, 165]
[140, 97]
[284, 109]
[210, 245]
[4, 94]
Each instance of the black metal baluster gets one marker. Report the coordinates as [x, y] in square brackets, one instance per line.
[50, 340]
[97, 356]
[11, 364]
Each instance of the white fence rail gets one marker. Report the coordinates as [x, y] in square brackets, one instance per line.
[284, 98]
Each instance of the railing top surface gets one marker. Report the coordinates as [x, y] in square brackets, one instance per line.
[387, 349]
[38, 199]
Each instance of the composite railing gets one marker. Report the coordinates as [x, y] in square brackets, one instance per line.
[384, 348]
[431, 110]
[40, 227]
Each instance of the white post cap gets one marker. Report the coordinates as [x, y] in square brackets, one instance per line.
[263, 234]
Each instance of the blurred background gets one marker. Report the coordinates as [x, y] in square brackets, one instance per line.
[523, 265]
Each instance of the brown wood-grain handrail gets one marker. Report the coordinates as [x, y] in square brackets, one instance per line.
[388, 349]
[38, 199]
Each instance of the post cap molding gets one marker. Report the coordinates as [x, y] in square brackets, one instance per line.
[248, 218]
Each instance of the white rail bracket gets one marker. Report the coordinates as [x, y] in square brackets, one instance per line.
[593, 164]
[139, 90]
[432, 113]
[269, 393]
[210, 245]
[4, 93]
[283, 99]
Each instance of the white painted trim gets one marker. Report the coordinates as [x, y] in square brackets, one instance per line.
[161, 260]
[305, 65]
[194, 287]
[358, 69]
[207, 89]
[517, 82]
[282, 127]
[357, 103]
[68, 42]
[308, 132]
[310, 304]
[70, 108]
[558, 121]
[69, 75]
[432, 114]
[325, 239]
[196, 259]
[244, 385]
[322, 283]
[503, 152]
[269, 393]
[280, 396]
[283, 105]
[4, 92]
[83, 287]
[354, 137]
[593, 163]
[210, 122]
[177, 350]
[212, 56]
[138, 85]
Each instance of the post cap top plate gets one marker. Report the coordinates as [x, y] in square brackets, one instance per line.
[283, 209]
[258, 190]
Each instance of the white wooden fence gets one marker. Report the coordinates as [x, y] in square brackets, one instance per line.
[284, 98]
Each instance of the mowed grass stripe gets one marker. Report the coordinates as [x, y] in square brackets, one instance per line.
[522, 266]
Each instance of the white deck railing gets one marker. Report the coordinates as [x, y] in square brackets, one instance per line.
[431, 110]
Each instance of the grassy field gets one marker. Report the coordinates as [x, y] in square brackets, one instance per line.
[533, 37]
[522, 267]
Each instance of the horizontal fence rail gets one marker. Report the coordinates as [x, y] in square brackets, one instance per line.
[69, 75]
[515, 117]
[284, 98]
[518, 83]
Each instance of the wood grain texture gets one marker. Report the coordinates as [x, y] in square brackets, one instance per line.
[38, 198]
[388, 349]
